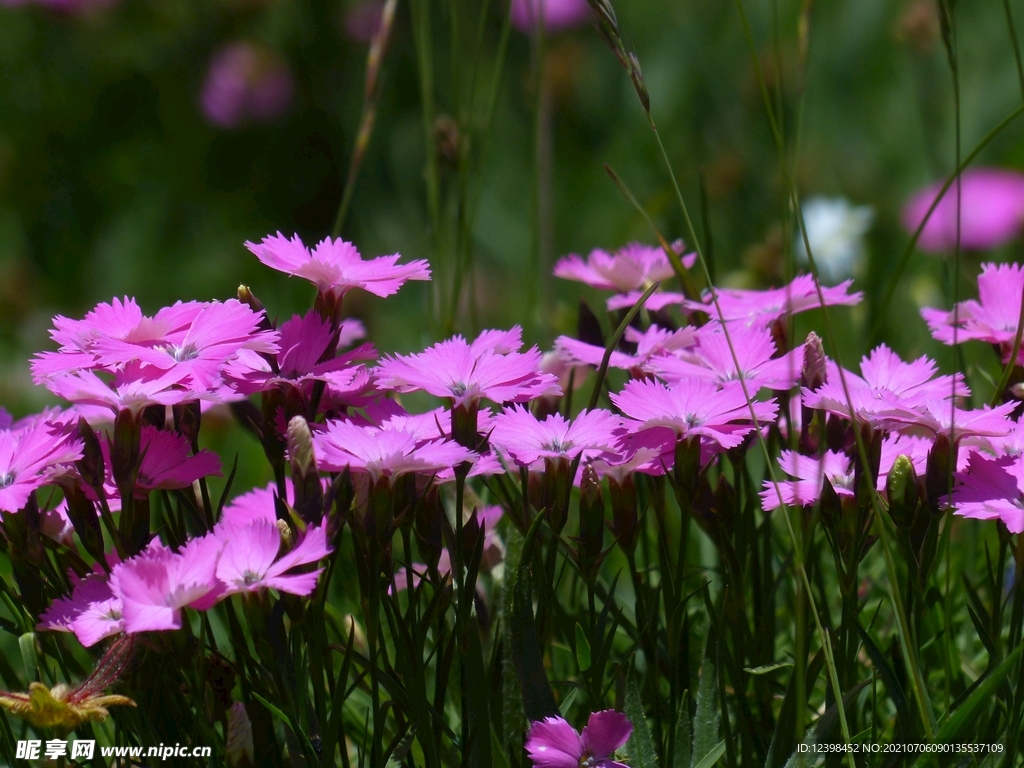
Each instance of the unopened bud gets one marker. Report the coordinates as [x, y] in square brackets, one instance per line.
[429, 535]
[937, 471]
[308, 491]
[901, 488]
[591, 538]
[82, 513]
[125, 453]
[813, 372]
[90, 466]
[286, 533]
[187, 419]
[247, 297]
[624, 512]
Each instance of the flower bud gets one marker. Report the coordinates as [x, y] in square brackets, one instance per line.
[82, 513]
[90, 466]
[937, 472]
[591, 538]
[624, 512]
[125, 453]
[308, 491]
[901, 488]
[813, 372]
[429, 535]
[187, 419]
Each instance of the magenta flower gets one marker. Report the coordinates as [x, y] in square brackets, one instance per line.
[890, 392]
[489, 368]
[937, 417]
[558, 14]
[249, 561]
[335, 266]
[692, 407]
[553, 743]
[257, 504]
[651, 344]
[712, 359]
[304, 343]
[914, 448]
[92, 611]
[125, 391]
[990, 489]
[216, 334]
[810, 472]
[155, 585]
[630, 269]
[762, 308]
[520, 435]
[246, 83]
[991, 211]
[382, 453]
[30, 458]
[992, 318]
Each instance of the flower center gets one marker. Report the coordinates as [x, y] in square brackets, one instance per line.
[6, 479]
[459, 388]
[557, 446]
[250, 578]
[183, 353]
[587, 761]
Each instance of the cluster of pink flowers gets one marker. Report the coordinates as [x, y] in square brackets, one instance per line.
[245, 83]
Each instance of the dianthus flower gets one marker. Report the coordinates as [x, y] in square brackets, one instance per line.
[304, 356]
[991, 211]
[650, 345]
[257, 504]
[991, 488]
[520, 435]
[891, 391]
[992, 318]
[381, 453]
[335, 266]
[557, 14]
[711, 358]
[692, 407]
[937, 417]
[490, 368]
[126, 391]
[630, 270]
[249, 560]
[156, 584]
[810, 472]
[762, 308]
[244, 83]
[30, 458]
[553, 743]
[92, 612]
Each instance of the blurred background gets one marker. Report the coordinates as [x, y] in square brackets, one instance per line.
[143, 141]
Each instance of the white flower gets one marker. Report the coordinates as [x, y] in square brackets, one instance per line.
[836, 230]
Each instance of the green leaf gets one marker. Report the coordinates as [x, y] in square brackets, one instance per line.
[713, 756]
[784, 736]
[705, 721]
[582, 649]
[640, 746]
[27, 645]
[767, 669]
[402, 749]
[969, 711]
[892, 683]
[681, 753]
[567, 702]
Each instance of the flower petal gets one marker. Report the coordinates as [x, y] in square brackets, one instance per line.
[605, 732]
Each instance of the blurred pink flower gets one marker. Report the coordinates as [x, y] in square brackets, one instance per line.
[762, 308]
[335, 266]
[519, 434]
[489, 368]
[553, 743]
[991, 488]
[362, 20]
[810, 472]
[651, 345]
[991, 211]
[558, 14]
[245, 83]
[992, 318]
[30, 458]
[249, 560]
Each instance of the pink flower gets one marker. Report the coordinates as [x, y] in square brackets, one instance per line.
[991, 211]
[651, 344]
[155, 585]
[630, 269]
[125, 391]
[489, 368]
[810, 472]
[383, 452]
[199, 351]
[257, 504]
[362, 20]
[938, 418]
[914, 448]
[891, 391]
[992, 318]
[553, 743]
[30, 458]
[244, 83]
[712, 359]
[335, 266]
[249, 561]
[519, 434]
[762, 308]
[692, 407]
[558, 14]
[92, 612]
[991, 489]
[305, 355]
